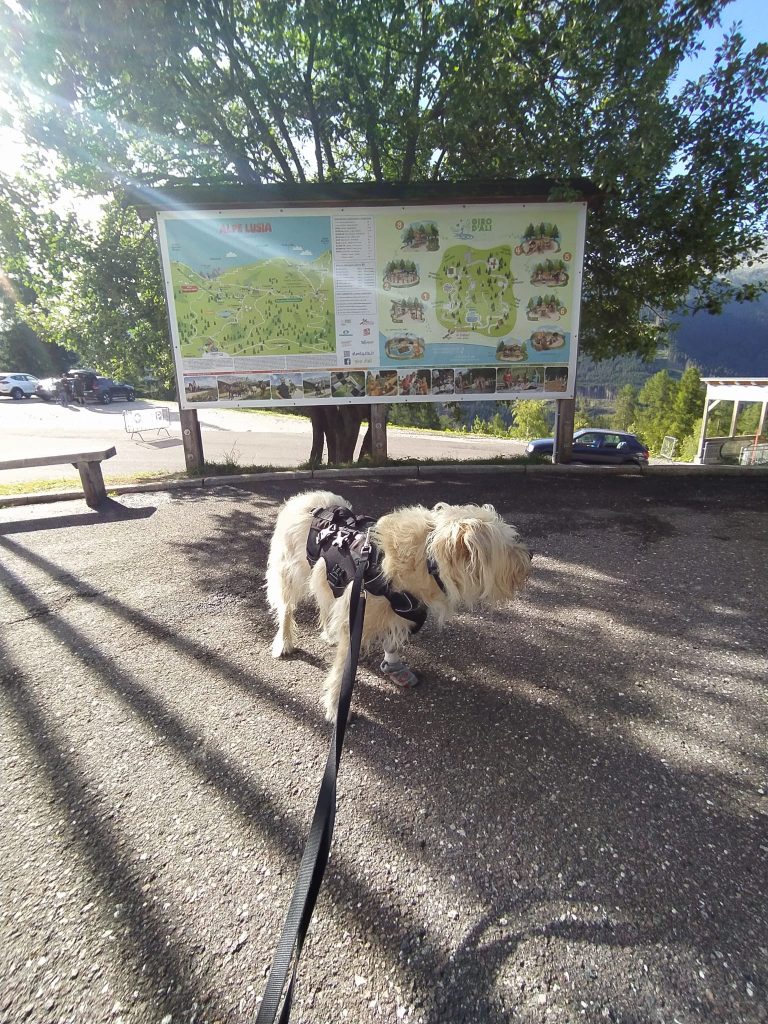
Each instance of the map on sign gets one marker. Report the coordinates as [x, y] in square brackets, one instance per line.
[474, 289]
[254, 292]
[302, 306]
[274, 308]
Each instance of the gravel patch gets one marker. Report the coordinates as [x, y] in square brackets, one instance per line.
[565, 822]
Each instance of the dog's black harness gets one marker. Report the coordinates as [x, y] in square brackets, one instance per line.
[341, 539]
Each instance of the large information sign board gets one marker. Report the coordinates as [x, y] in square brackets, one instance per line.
[305, 306]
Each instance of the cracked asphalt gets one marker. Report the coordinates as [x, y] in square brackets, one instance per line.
[565, 822]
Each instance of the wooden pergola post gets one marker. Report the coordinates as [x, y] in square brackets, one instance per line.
[734, 417]
[761, 424]
[708, 407]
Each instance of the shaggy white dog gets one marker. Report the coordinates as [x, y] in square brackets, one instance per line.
[448, 558]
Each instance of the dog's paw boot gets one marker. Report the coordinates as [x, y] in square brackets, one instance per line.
[400, 674]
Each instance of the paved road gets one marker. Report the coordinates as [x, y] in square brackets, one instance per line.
[32, 427]
[565, 822]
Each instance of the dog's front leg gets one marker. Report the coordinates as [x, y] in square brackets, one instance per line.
[393, 653]
[387, 627]
[395, 669]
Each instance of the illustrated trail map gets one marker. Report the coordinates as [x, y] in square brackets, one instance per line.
[301, 307]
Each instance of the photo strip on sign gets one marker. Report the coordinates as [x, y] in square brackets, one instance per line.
[300, 306]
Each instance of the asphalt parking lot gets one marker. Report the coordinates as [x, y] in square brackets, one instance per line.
[565, 822]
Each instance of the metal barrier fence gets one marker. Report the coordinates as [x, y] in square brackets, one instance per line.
[754, 455]
[668, 447]
[139, 421]
[728, 449]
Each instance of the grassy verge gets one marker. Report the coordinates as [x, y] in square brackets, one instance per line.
[231, 468]
[73, 483]
[235, 469]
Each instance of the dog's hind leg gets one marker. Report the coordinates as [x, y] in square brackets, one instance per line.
[332, 684]
[283, 603]
[325, 606]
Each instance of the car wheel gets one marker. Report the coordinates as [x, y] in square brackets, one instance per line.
[16, 394]
[129, 397]
[106, 398]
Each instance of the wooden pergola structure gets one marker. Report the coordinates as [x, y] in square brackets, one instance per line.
[739, 391]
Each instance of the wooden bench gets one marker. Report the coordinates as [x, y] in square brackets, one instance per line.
[88, 465]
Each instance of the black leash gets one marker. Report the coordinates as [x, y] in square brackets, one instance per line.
[315, 857]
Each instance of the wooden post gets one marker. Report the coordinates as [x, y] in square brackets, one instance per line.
[192, 440]
[736, 410]
[565, 415]
[708, 407]
[93, 483]
[378, 434]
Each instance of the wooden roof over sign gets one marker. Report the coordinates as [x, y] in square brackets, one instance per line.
[149, 199]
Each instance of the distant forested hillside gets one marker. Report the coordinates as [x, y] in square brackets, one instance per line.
[735, 343]
[603, 379]
[732, 343]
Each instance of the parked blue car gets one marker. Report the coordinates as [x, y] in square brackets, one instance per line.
[606, 447]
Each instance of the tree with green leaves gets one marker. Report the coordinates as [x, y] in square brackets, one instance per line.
[626, 408]
[415, 414]
[93, 294]
[531, 419]
[688, 404]
[113, 311]
[39, 249]
[654, 409]
[210, 92]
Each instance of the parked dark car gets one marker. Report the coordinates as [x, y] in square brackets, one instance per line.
[95, 388]
[607, 447]
[105, 390]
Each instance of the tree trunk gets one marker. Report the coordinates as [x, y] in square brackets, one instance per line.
[366, 448]
[317, 416]
[339, 425]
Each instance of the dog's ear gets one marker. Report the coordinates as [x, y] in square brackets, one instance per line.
[483, 558]
[464, 545]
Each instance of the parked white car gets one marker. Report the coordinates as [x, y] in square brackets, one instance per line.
[17, 385]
